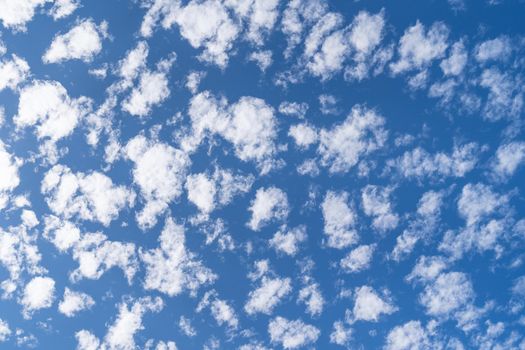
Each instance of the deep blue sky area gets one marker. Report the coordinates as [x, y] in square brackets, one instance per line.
[262, 174]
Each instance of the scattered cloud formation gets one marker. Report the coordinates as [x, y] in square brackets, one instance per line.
[261, 174]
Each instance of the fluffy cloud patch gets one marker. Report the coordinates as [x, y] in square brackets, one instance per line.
[358, 259]
[409, 336]
[39, 293]
[508, 159]
[419, 47]
[19, 254]
[13, 72]
[288, 240]
[270, 293]
[342, 146]
[15, 14]
[5, 331]
[422, 226]
[63, 8]
[91, 196]
[74, 302]
[419, 163]
[339, 220]
[9, 177]
[121, 333]
[370, 306]
[159, 171]
[304, 135]
[152, 87]
[47, 106]
[312, 297]
[377, 204]
[270, 204]
[449, 292]
[249, 124]
[171, 268]
[95, 255]
[208, 192]
[292, 334]
[82, 42]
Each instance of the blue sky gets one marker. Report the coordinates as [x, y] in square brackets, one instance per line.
[262, 174]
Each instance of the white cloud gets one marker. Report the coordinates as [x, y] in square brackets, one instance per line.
[15, 14]
[341, 335]
[369, 305]
[358, 259]
[206, 25]
[493, 50]
[504, 97]
[427, 268]
[63, 8]
[263, 59]
[186, 327]
[39, 293]
[134, 62]
[13, 72]
[342, 146]
[224, 313]
[456, 61]
[152, 89]
[201, 192]
[221, 311]
[171, 268]
[483, 210]
[86, 341]
[328, 104]
[47, 106]
[5, 331]
[419, 47]
[207, 192]
[422, 226]
[159, 172]
[95, 255]
[478, 201]
[339, 220]
[265, 298]
[214, 25]
[448, 293]
[297, 16]
[170, 345]
[508, 159]
[249, 124]
[288, 240]
[193, 80]
[376, 203]
[367, 31]
[312, 297]
[419, 163]
[308, 167]
[294, 109]
[9, 178]
[409, 336]
[292, 334]
[74, 302]
[326, 48]
[303, 134]
[62, 233]
[270, 204]
[91, 196]
[365, 35]
[19, 254]
[82, 42]
[121, 334]
[260, 16]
